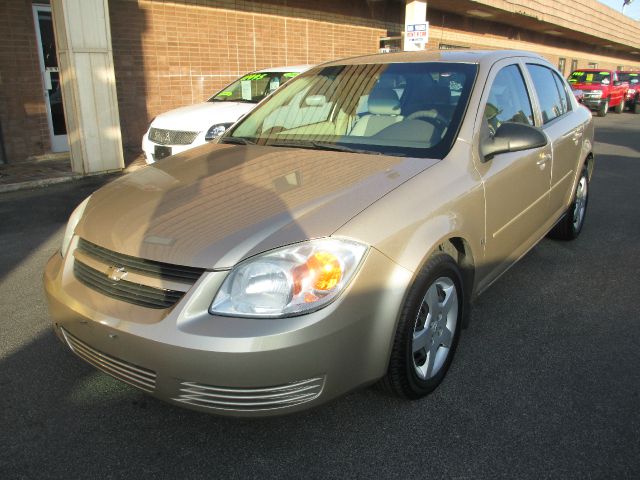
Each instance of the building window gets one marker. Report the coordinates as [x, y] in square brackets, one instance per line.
[574, 65]
[446, 46]
[561, 65]
[390, 44]
[593, 65]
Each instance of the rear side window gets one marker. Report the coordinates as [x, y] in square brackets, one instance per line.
[508, 99]
[564, 92]
[553, 103]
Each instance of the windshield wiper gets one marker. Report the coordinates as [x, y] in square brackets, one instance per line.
[236, 140]
[322, 146]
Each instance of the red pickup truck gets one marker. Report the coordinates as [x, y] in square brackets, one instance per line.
[602, 89]
[632, 100]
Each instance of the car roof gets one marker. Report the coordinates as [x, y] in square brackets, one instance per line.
[293, 68]
[453, 56]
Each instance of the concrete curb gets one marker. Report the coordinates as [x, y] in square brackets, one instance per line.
[45, 182]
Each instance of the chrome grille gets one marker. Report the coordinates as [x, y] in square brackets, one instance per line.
[171, 137]
[162, 270]
[124, 290]
[134, 375]
[250, 399]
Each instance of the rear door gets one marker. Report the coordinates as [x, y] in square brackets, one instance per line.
[560, 126]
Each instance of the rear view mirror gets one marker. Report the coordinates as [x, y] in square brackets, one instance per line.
[512, 137]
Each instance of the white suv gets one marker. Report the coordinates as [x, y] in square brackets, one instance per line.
[186, 127]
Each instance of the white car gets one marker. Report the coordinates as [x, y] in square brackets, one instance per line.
[186, 127]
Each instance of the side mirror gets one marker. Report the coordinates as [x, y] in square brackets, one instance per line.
[512, 137]
[617, 83]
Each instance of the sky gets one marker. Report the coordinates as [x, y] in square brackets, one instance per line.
[632, 10]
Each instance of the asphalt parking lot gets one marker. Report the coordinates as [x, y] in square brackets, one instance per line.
[545, 384]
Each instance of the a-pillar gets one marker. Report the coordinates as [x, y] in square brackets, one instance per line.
[83, 39]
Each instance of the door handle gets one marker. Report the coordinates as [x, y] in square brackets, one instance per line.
[578, 134]
[543, 159]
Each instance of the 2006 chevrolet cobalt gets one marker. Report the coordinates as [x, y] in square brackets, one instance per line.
[334, 238]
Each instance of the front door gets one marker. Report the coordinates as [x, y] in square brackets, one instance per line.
[516, 183]
[51, 77]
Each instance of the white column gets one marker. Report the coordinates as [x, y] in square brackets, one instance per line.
[415, 16]
[83, 40]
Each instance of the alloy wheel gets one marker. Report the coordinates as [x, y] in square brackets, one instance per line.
[435, 327]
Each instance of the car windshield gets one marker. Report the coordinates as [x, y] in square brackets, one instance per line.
[405, 109]
[253, 87]
[590, 77]
[632, 78]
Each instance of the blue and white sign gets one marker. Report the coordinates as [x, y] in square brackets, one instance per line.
[416, 36]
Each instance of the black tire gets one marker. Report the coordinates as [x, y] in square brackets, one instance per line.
[620, 107]
[604, 109]
[636, 108]
[403, 377]
[570, 225]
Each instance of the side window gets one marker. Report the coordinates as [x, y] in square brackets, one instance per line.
[508, 99]
[552, 104]
[565, 99]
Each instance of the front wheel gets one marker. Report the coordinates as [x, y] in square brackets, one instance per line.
[428, 330]
[620, 107]
[604, 109]
[570, 225]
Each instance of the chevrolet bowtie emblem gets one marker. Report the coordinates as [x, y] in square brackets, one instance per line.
[116, 273]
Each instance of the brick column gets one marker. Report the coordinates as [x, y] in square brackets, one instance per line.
[83, 39]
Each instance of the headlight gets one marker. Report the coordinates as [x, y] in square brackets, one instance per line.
[75, 217]
[596, 93]
[216, 130]
[289, 281]
[631, 91]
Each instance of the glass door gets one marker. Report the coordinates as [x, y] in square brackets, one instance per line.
[51, 77]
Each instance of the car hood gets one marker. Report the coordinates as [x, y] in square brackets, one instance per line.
[201, 116]
[215, 205]
[588, 86]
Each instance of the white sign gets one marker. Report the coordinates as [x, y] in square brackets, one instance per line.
[246, 89]
[416, 36]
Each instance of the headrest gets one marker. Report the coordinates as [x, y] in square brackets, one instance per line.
[440, 94]
[384, 101]
[315, 100]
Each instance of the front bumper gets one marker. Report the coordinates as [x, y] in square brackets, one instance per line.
[234, 366]
[148, 147]
[593, 103]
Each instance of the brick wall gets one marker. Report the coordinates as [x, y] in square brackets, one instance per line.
[451, 29]
[169, 54]
[173, 53]
[22, 108]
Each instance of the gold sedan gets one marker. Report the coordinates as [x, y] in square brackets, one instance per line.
[333, 238]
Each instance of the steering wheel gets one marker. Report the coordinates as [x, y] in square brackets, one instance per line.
[431, 116]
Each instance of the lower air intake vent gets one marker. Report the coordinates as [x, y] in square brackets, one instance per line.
[250, 399]
[127, 372]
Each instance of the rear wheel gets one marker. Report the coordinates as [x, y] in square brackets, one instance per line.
[620, 107]
[570, 225]
[428, 330]
[604, 109]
